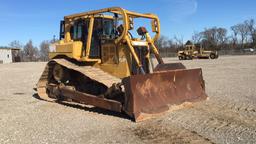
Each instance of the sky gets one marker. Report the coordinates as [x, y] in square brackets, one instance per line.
[38, 20]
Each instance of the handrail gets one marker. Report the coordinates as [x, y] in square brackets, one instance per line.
[125, 14]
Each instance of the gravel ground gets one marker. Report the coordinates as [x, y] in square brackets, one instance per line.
[229, 116]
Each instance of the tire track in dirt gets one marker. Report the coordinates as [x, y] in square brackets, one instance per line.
[220, 122]
[244, 109]
[156, 132]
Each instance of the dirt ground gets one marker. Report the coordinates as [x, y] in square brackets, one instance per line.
[229, 116]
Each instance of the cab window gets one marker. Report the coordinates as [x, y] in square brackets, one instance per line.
[108, 28]
[79, 30]
[96, 41]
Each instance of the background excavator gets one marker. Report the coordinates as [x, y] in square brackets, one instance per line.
[104, 59]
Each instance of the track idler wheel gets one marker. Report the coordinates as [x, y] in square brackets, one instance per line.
[60, 73]
[212, 56]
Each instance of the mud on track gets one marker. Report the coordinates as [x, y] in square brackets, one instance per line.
[229, 116]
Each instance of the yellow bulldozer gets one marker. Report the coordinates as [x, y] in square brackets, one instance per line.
[104, 59]
[190, 52]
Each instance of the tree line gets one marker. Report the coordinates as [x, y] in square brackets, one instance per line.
[29, 52]
[239, 36]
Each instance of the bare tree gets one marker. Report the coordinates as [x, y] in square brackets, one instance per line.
[250, 24]
[15, 44]
[213, 38]
[241, 30]
[165, 45]
[170, 43]
[210, 37]
[234, 36]
[221, 36]
[162, 42]
[197, 37]
[44, 50]
[30, 51]
[179, 42]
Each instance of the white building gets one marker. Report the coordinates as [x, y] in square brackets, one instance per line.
[7, 55]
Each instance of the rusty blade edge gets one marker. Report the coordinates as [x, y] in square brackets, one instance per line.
[144, 116]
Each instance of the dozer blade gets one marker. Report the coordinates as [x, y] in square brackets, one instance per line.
[152, 94]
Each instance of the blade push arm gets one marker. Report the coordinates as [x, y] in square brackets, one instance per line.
[154, 49]
[134, 55]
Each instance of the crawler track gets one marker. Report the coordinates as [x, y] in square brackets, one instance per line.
[93, 73]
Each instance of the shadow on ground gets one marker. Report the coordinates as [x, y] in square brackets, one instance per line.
[87, 108]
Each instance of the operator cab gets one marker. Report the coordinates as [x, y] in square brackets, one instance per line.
[103, 32]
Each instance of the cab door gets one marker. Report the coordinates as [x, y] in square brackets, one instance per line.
[109, 52]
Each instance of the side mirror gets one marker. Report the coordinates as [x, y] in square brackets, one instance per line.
[154, 25]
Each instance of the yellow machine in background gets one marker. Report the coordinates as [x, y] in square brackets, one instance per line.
[101, 60]
[190, 53]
